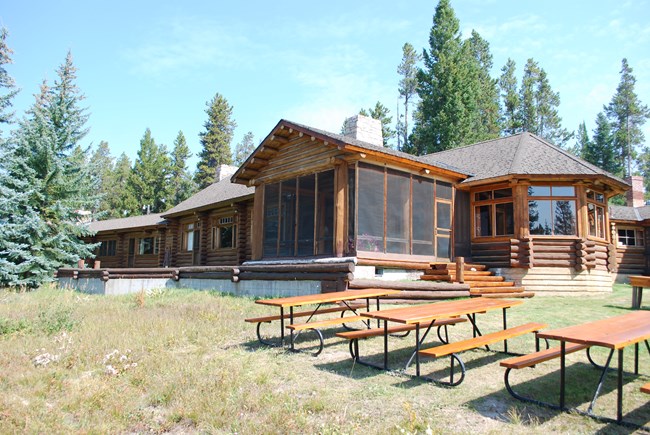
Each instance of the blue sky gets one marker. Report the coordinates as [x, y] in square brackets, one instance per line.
[155, 64]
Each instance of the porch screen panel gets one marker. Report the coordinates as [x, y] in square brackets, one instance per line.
[352, 177]
[325, 213]
[306, 203]
[287, 218]
[398, 213]
[422, 216]
[271, 216]
[370, 234]
[443, 229]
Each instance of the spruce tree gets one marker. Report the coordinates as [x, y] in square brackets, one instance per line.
[627, 115]
[582, 144]
[57, 192]
[381, 113]
[510, 97]
[601, 151]
[408, 85]
[215, 140]
[182, 184]
[7, 85]
[102, 163]
[527, 112]
[244, 148]
[149, 179]
[549, 123]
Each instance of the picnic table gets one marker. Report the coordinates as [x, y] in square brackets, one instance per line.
[322, 302]
[638, 282]
[614, 333]
[429, 315]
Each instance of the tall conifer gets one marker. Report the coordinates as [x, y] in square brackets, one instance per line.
[182, 184]
[149, 179]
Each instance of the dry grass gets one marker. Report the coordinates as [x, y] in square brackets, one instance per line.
[184, 361]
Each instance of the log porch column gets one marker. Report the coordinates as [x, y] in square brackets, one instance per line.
[258, 223]
[340, 206]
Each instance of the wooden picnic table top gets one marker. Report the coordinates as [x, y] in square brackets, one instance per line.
[322, 298]
[639, 281]
[438, 310]
[614, 332]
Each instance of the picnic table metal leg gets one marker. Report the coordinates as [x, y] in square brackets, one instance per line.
[634, 299]
[636, 358]
[282, 326]
[417, 349]
[505, 326]
[385, 345]
[619, 401]
[640, 297]
[562, 372]
[291, 320]
[600, 381]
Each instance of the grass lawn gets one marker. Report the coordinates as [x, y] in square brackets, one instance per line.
[185, 361]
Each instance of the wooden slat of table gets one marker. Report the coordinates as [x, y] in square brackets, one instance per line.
[421, 313]
[614, 332]
[322, 298]
[640, 281]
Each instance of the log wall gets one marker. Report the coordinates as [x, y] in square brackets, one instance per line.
[492, 254]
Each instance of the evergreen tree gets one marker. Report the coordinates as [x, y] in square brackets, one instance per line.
[149, 179]
[441, 113]
[510, 97]
[7, 85]
[601, 151]
[527, 112]
[627, 115]
[381, 113]
[408, 85]
[244, 148]
[102, 163]
[121, 198]
[582, 144]
[56, 192]
[483, 105]
[215, 140]
[182, 184]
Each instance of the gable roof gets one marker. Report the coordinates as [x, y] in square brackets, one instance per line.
[284, 129]
[523, 154]
[147, 220]
[221, 191]
[625, 213]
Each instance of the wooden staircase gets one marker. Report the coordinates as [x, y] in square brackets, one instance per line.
[482, 282]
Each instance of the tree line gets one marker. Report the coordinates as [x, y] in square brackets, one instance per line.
[449, 99]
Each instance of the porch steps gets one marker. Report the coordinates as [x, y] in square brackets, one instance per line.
[482, 282]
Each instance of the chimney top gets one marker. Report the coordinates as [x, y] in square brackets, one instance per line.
[364, 128]
[223, 171]
[635, 196]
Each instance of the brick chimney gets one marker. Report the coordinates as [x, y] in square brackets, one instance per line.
[223, 171]
[634, 196]
[364, 128]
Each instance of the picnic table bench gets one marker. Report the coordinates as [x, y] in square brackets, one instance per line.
[614, 333]
[638, 282]
[344, 301]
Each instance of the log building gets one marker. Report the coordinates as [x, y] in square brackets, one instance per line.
[520, 205]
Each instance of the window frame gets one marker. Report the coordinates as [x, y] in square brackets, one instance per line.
[638, 236]
[107, 248]
[491, 202]
[597, 200]
[218, 225]
[554, 199]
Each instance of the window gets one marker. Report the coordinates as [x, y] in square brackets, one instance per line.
[148, 246]
[552, 212]
[190, 236]
[224, 233]
[596, 214]
[630, 237]
[494, 213]
[299, 216]
[402, 214]
[107, 248]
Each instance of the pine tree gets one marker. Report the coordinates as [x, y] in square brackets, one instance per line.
[57, 192]
[510, 96]
[483, 104]
[102, 163]
[601, 151]
[527, 113]
[215, 140]
[244, 148]
[582, 144]
[627, 115]
[381, 113]
[408, 85]
[549, 123]
[441, 113]
[121, 198]
[149, 179]
[182, 184]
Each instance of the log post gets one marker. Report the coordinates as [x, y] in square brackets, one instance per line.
[460, 269]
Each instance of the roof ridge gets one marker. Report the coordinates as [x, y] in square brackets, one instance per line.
[517, 157]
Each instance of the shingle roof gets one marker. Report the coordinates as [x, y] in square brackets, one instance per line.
[127, 223]
[381, 149]
[521, 154]
[217, 192]
[625, 213]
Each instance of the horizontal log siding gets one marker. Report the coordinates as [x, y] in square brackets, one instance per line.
[492, 254]
[301, 156]
[631, 260]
